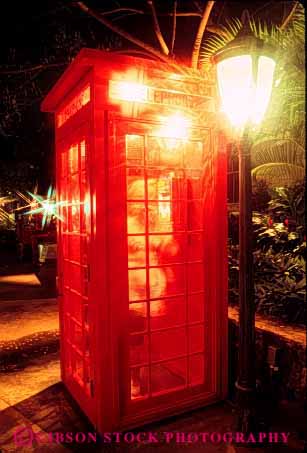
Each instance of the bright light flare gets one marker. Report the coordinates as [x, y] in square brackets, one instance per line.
[128, 91]
[175, 126]
[48, 206]
[243, 99]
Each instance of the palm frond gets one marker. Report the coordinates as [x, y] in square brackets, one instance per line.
[276, 174]
[217, 42]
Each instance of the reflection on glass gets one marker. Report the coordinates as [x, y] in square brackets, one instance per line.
[166, 249]
[136, 251]
[167, 280]
[135, 218]
[173, 313]
[135, 185]
[137, 284]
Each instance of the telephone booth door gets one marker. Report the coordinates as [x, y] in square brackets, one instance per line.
[164, 326]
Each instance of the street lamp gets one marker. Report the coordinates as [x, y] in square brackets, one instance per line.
[245, 70]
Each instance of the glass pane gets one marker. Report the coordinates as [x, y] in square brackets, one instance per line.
[75, 281]
[169, 376]
[73, 161]
[164, 217]
[135, 186]
[77, 335]
[159, 187]
[64, 165]
[164, 151]
[137, 317]
[135, 149]
[139, 382]
[74, 248]
[138, 349]
[169, 343]
[78, 367]
[166, 249]
[65, 246]
[84, 274]
[83, 155]
[167, 312]
[135, 218]
[137, 284]
[75, 305]
[136, 251]
[84, 249]
[166, 281]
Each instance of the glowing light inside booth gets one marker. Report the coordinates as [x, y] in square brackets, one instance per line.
[128, 91]
[176, 126]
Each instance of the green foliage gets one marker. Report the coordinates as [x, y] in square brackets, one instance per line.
[261, 195]
[279, 257]
[281, 286]
[290, 202]
[279, 272]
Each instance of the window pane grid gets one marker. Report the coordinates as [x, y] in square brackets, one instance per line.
[164, 216]
[75, 236]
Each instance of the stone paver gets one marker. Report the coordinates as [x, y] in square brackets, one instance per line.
[39, 375]
[19, 318]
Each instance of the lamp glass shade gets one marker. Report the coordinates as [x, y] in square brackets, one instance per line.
[245, 95]
[265, 74]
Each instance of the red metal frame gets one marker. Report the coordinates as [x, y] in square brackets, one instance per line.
[142, 260]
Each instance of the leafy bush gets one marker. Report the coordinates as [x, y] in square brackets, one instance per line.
[261, 195]
[279, 260]
[289, 202]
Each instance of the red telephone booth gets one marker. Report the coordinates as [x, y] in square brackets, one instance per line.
[142, 262]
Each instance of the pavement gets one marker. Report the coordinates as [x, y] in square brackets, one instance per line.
[33, 396]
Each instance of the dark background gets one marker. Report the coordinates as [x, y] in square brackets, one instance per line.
[48, 34]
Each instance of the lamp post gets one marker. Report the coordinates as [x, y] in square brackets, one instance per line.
[245, 70]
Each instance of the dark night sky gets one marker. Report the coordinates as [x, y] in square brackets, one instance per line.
[53, 31]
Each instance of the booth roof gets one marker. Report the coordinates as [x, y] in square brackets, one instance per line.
[87, 59]
[82, 63]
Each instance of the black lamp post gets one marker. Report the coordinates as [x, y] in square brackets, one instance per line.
[245, 70]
